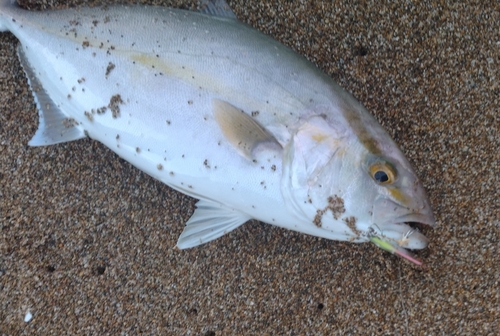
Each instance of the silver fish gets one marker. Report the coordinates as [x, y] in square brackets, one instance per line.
[221, 112]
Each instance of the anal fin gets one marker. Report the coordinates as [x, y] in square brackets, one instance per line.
[210, 221]
[54, 126]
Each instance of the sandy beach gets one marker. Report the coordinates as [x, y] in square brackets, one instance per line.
[87, 241]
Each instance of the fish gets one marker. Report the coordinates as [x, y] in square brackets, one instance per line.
[219, 111]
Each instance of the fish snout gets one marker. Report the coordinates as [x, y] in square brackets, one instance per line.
[391, 220]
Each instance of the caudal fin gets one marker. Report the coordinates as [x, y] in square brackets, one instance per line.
[54, 127]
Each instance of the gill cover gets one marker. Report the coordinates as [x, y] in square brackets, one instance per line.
[313, 153]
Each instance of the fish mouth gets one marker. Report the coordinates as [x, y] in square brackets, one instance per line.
[393, 221]
[404, 235]
[400, 230]
[426, 218]
[397, 238]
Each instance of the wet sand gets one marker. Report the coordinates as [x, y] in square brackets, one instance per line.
[87, 242]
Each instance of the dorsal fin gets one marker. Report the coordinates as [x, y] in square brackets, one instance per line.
[217, 8]
[54, 126]
[244, 133]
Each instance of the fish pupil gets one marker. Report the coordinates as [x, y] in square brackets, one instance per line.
[381, 176]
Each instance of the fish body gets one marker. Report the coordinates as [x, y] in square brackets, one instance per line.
[223, 113]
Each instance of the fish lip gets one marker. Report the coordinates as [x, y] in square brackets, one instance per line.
[419, 213]
[392, 220]
[403, 235]
[420, 218]
[398, 229]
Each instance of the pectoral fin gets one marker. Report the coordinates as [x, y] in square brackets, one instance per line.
[54, 126]
[210, 221]
[244, 133]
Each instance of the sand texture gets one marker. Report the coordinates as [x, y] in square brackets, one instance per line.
[87, 242]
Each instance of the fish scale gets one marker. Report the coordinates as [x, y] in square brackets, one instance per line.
[223, 113]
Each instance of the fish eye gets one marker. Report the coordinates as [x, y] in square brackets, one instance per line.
[383, 173]
[381, 176]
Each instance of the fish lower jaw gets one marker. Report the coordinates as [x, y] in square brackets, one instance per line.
[402, 235]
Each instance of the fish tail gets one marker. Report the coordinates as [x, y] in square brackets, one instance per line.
[5, 5]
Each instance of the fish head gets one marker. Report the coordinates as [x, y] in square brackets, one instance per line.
[354, 187]
[398, 198]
